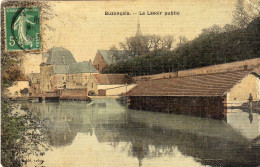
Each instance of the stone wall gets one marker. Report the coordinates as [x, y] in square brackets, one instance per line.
[57, 81]
[74, 94]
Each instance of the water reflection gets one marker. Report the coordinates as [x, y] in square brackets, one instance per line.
[104, 133]
[245, 122]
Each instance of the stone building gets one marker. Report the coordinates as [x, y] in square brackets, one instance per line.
[59, 70]
[104, 58]
[81, 75]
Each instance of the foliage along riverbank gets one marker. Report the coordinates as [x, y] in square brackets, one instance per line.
[22, 134]
[211, 47]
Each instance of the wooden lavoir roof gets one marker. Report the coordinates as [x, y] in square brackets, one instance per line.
[216, 84]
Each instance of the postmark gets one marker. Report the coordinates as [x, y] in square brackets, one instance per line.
[22, 29]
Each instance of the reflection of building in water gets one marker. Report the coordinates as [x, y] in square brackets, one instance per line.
[65, 119]
[245, 122]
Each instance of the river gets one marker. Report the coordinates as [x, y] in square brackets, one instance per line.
[104, 133]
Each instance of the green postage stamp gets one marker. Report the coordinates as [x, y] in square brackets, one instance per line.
[23, 29]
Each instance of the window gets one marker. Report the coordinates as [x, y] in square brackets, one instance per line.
[63, 78]
[86, 77]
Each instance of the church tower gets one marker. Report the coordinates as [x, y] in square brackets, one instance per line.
[138, 32]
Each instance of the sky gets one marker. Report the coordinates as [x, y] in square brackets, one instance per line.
[82, 26]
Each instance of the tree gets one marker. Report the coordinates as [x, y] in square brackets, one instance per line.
[229, 28]
[144, 45]
[21, 134]
[215, 45]
[253, 8]
[240, 16]
[182, 40]
[215, 29]
[115, 53]
[134, 46]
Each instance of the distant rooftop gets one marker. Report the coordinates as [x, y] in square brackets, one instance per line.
[108, 55]
[82, 67]
[60, 55]
[60, 68]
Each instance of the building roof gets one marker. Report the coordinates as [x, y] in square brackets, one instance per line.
[60, 69]
[217, 84]
[82, 67]
[108, 55]
[60, 55]
[113, 79]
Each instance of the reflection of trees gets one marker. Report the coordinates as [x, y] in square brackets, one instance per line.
[65, 120]
[139, 150]
[58, 121]
[60, 134]
[151, 141]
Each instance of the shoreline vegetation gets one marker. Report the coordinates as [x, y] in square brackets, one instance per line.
[213, 46]
[22, 135]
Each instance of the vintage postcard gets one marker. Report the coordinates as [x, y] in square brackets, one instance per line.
[130, 83]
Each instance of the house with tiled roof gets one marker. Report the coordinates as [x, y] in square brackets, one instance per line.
[104, 58]
[113, 84]
[207, 95]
